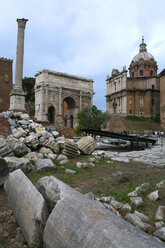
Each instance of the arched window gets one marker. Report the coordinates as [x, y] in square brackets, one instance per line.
[141, 72]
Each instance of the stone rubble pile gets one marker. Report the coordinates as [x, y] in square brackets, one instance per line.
[32, 146]
[137, 218]
[54, 214]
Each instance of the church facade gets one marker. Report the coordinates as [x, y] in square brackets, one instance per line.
[138, 94]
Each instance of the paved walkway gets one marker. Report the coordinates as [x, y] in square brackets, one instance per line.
[154, 156]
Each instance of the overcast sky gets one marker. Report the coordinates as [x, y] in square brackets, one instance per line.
[83, 37]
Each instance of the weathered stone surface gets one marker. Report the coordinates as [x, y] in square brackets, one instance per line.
[70, 149]
[24, 116]
[161, 185]
[12, 123]
[5, 149]
[90, 195]
[52, 156]
[23, 122]
[160, 233]
[4, 171]
[33, 156]
[48, 187]
[19, 163]
[19, 132]
[133, 194]
[154, 196]
[70, 171]
[117, 205]
[86, 145]
[64, 161]
[32, 141]
[77, 221]
[160, 213]
[106, 199]
[44, 165]
[142, 188]
[61, 157]
[45, 150]
[159, 224]
[126, 208]
[136, 200]
[55, 133]
[50, 143]
[18, 147]
[28, 206]
[136, 221]
[142, 216]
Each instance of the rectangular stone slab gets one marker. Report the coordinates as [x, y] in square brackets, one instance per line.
[28, 206]
[79, 222]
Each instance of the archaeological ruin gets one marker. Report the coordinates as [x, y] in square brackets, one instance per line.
[59, 96]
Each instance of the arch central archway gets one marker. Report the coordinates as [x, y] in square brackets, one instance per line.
[51, 114]
[69, 111]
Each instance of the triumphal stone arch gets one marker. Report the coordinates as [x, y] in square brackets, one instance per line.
[59, 96]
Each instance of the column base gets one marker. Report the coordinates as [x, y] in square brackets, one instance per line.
[17, 101]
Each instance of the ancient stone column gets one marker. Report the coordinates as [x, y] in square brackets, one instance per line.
[81, 93]
[60, 106]
[17, 96]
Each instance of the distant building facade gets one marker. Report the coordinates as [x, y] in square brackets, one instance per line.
[138, 94]
[162, 97]
[59, 96]
[5, 83]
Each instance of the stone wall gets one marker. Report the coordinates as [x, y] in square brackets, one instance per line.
[4, 127]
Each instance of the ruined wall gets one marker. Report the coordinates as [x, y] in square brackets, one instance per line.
[5, 83]
[4, 127]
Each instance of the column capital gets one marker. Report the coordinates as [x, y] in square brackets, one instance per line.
[22, 22]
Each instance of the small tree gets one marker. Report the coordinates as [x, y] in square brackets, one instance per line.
[28, 86]
[91, 118]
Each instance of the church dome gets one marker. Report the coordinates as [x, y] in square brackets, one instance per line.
[143, 54]
[143, 64]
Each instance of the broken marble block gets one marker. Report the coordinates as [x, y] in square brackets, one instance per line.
[136, 221]
[160, 233]
[44, 165]
[138, 201]
[48, 188]
[32, 141]
[28, 206]
[19, 163]
[154, 196]
[86, 144]
[77, 221]
[160, 213]
[50, 143]
[70, 149]
[18, 147]
[5, 149]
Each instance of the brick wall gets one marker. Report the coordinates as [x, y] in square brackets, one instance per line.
[4, 127]
[5, 83]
